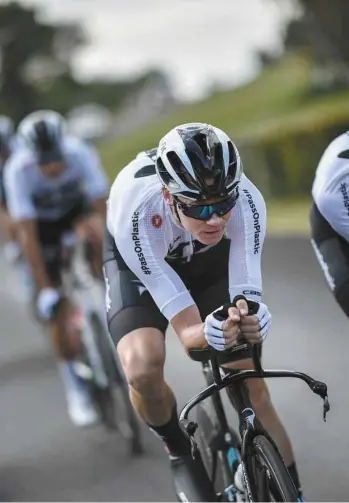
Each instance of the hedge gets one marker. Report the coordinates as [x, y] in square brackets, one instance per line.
[283, 163]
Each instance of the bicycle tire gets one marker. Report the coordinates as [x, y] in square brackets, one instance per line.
[114, 402]
[126, 419]
[269, 477]
[215, 461]
[102, 396]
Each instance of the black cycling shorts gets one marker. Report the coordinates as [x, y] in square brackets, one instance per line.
[131, 305]
[332, 252]
[50, 236]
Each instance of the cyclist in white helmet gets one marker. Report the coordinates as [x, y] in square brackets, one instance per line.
[7, 147]
[185, 231]
[54, 184]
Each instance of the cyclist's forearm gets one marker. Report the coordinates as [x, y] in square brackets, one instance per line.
[33, 254]
[189, 328]
[193, 337]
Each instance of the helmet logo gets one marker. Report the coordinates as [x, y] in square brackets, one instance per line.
[162, 147]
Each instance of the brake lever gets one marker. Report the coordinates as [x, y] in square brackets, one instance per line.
[320, 388]
[189, 426]
[326, 407]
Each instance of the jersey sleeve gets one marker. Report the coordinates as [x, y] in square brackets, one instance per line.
[17, 189]
[246, 229]
[96, 181]
[140, 240]
[333, 204]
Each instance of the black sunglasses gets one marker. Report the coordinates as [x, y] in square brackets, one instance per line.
[205, 211]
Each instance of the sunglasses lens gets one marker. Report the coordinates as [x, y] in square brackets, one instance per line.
[205, 212]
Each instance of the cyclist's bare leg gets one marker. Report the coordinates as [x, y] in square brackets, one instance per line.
[92, 228]
[64, 335]
[67, 346]
[142, 355]
[8, 228]
[267, 415]
[265, 411]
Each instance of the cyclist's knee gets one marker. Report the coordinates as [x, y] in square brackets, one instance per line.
[142, 355]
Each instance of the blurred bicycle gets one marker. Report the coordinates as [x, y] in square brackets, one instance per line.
[98, 364]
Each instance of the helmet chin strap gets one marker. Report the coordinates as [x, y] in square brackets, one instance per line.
[175, 211]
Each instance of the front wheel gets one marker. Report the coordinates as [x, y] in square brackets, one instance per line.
[268, 475]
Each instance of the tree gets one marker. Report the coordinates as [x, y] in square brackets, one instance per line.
[36, 67]
[31, 51]
[321, 26]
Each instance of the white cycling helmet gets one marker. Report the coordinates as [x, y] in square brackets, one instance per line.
[198, 161]
[6, 132]
[42, 132]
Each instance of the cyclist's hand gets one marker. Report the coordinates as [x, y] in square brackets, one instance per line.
[239, 312]
[254, 329]
[221, 334]
[47, 300]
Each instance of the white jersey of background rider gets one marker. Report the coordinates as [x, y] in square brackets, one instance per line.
[145, 234]
[32, 195]
[331, 185]
[13, 148]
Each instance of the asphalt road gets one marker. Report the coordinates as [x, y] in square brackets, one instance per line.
[45, 458]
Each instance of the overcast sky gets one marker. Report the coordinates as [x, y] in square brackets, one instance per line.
[195, 41]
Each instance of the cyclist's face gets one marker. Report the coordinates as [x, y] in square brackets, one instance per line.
[208, 232]
[52, 169]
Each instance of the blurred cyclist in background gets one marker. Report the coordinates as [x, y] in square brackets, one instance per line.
[7, 147]
[55, 184]
[329, 218]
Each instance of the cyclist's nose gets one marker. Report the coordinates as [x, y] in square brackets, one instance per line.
[215, 220]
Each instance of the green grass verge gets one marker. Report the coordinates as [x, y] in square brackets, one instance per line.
[276, 92]
[276, 103]
[288, 217]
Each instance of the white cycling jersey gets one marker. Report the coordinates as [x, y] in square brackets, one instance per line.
[330, 186]
[32, 195]
[146, 233]
[13, 148]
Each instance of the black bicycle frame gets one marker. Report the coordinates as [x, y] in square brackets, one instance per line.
[238, 393]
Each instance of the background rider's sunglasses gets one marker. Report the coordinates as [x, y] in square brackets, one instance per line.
[205, 211]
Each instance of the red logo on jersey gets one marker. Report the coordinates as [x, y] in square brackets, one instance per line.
[156, 220]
